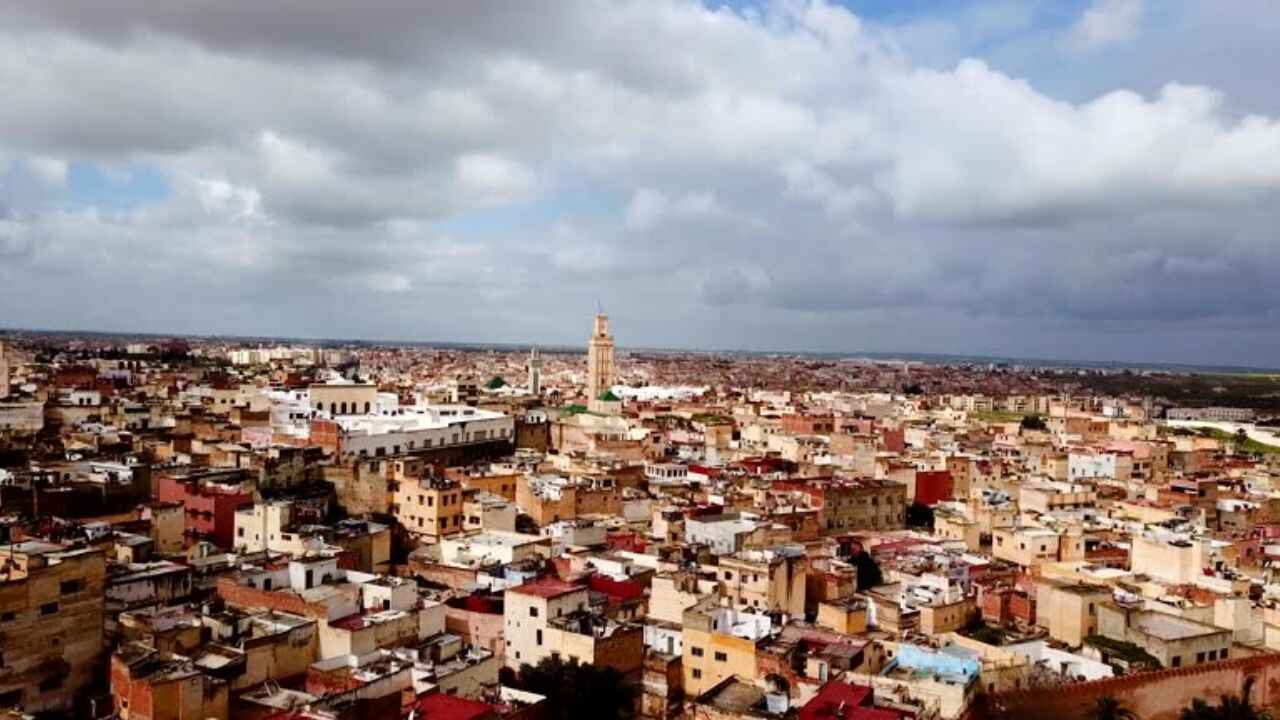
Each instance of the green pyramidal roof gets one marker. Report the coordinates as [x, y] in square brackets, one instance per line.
[608, 396]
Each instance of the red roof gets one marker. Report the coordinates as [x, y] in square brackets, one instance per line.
[439, 706]
[546, 587]
[842, 701]
[617, 590]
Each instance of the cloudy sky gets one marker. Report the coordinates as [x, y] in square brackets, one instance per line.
[1092, 179]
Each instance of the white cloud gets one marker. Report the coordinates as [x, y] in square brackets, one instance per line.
[489, 179]
[49, 169]
[650, 208]
[791, 159]
[391, 283]
[1106, 23]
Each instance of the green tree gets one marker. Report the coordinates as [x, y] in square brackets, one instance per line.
[1109, 708]
[919, 515]
[576, 691]
[1241, 440]
[1033, 422]
[869, 574]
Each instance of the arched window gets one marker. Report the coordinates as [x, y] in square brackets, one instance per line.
[344, 408]
[367, 408]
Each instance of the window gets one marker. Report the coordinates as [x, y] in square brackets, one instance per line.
[538, 639]
[1176, 661]
[1200, 656]
[239, 532]
[696, 651]
[533, 612]
[49, 608]
[722, 657]
[72, 586]
[697, 674]
[7, 616]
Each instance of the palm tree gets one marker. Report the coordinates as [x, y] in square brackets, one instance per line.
[1109, 708]
[1198, 710]
[1240, 439]
[1231, 707]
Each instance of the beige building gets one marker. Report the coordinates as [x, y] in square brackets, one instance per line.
[764, 581]
[1170, 559]
[844, 616]
[864, 504]
[719, 643]
[51, 617]
[270, 526]
[955, 526]
[484, 511]
[343, 399]
[1043, 497]
[1173, 640]
[670, 594]
[1032, 546]
[551, 617]
[429, 508]
[1069, 611]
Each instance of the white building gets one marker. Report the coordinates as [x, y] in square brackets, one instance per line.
[724, 533]
[421, 427]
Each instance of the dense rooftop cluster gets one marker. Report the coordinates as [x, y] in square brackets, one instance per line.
[216, 529]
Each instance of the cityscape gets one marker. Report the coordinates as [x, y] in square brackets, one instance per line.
[639, 360]
[210, 529]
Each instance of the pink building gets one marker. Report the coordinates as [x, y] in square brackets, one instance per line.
[209, 500]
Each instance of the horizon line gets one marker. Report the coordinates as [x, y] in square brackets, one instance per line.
[902, 355]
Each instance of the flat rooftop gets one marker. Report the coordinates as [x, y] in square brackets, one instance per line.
[1171, 627]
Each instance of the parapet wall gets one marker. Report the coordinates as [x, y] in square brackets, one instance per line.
[1158, 695]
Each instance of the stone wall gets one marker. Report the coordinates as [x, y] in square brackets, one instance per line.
[1159, 695]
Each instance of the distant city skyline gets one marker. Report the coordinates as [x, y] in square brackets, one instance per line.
[1080, 180]
[901, 355]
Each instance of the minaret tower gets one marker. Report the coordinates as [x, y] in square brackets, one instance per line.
[599, 358]
[535, 372]
[4, 373]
